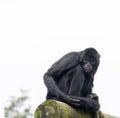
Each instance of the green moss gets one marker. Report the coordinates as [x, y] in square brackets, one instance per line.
[51, 108]
[57, 109]
[37, 113]
[63, 110]
[70, 112]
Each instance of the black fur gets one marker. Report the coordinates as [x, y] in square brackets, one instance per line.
[70, 79]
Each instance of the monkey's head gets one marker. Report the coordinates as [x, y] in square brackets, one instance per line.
[89, 59]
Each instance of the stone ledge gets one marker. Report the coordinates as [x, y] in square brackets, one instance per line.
[57, 109]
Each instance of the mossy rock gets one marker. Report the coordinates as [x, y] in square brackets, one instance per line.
[57, 109]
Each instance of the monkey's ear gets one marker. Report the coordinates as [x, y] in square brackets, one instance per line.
[82, 54]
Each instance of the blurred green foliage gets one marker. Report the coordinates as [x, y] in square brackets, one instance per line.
[17, 107]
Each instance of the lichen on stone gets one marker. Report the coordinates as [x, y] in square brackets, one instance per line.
[57, 109]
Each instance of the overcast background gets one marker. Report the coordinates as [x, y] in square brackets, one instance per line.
[34, 34]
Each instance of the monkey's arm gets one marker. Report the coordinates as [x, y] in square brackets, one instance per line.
[58, 69]
[67, 62]
[90, 102]
[52, 87]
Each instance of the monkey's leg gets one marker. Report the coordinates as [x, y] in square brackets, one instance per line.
[77, 81]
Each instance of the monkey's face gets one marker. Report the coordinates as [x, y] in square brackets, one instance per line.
[88, 64]
[89, 59]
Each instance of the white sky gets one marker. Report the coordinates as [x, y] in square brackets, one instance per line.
[34, 34]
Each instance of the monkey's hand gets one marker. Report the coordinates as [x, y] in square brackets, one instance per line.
[71, 100]
[90, 102]
[93, 96]
[76, 101]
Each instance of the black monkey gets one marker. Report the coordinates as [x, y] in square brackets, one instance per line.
[70, 79]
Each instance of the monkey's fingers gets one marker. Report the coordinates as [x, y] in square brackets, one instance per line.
[75, 100]
[76, 104]
[71, 100]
